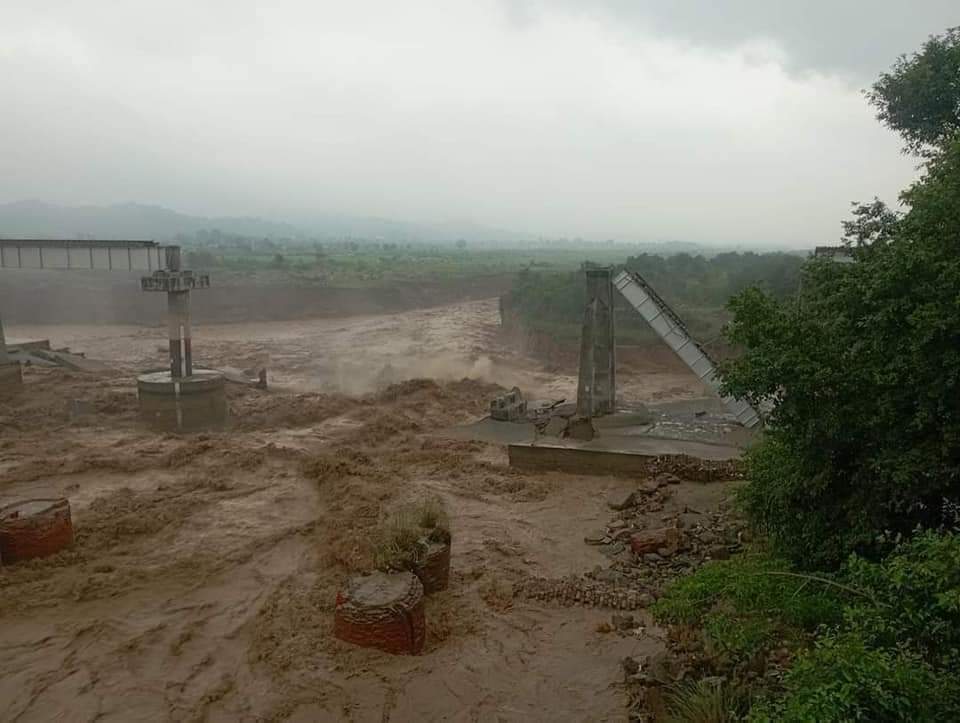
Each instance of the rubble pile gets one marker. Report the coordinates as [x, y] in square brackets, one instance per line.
[689, 657]
[582, 591]
[644, 557]
[694, 469]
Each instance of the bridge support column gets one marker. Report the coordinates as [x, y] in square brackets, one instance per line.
[597, 385]
[181, 399]
[11, 375]
[178, 320]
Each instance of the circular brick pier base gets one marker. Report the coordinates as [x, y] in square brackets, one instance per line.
[383, 611]
[34, 528]
[433, 569]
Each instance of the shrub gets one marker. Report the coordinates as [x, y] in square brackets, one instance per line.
[744, 602]
[864, 373]
[916, 594]
[843, 679]
[794, 505]
[704, 701]
[407, 534]
[887, 643]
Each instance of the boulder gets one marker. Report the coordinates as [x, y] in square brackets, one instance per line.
[623, 622]
[597, 538]
[555, 427]
[648, 487]
[621, 500]
[665, 539]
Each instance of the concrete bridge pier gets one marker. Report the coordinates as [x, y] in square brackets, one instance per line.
[181, 399]
[11, 376]
[597, 384]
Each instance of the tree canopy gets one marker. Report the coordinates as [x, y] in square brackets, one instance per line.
[864, 367]
[920, 96]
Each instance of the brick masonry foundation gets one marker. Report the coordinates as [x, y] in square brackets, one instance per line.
[34, 528]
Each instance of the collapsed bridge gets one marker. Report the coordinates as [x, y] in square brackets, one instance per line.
[596, 390]
[179, 398]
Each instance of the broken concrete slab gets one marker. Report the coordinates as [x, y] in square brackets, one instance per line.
[76, 362]
[555, 427]
[246, 377]
[28, 344]
[49, 358]
[621, 500]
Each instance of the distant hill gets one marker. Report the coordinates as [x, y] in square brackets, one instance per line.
[37, 219]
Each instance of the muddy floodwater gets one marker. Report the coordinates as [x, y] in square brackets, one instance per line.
[203, 577]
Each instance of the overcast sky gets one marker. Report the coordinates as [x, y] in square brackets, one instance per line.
[700, 120]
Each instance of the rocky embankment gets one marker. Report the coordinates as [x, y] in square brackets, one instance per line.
[646, 550]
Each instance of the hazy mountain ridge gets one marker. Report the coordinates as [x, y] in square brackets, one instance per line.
[39, 219]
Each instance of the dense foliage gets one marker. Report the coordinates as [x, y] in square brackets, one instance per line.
[696, 286]
[352, 262]
[876, 641]
[896, 653]
[919, 96]
[858, 472]
[864, 368]
[749, 602]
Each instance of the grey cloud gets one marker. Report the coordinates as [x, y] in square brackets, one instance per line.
[639, 122]
[856, 38]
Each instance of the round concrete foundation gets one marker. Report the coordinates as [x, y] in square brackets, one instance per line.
[11, 378]
[189, 404]
[34, 528]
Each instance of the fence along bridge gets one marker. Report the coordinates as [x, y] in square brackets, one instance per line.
[90, 255]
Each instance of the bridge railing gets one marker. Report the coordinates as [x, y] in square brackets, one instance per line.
[90, 255]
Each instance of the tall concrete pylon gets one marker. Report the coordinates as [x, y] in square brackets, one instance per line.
[597, 385]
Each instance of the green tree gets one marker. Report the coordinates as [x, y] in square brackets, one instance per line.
[864, 436]
[920, 96]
